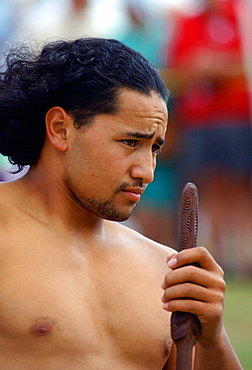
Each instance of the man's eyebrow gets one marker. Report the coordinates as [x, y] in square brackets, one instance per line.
[143, 135]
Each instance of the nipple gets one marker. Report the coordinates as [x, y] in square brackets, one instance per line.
[42, 327]
[167, 348]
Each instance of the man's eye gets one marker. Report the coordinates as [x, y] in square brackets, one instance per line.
[130, 142]
[156, 149]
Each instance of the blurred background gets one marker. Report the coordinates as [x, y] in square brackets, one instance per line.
[203, 49]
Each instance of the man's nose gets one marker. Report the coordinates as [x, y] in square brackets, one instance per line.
[144, 168]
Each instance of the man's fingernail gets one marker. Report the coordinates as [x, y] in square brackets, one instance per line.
[166, 306]
[172, 262]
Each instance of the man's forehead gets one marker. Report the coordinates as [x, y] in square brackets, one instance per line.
[138, 114]
[129, 96]
[145, 105]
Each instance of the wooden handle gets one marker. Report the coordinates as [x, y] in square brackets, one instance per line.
[189, 217]
[185, 327]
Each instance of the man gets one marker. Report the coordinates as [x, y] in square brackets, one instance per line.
[79, 291]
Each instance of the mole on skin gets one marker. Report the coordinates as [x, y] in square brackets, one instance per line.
[42, 327]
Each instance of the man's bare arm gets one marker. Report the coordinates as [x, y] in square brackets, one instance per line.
[219, 356]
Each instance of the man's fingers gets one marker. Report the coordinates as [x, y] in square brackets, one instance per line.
[198, 308]
[193, 274]
[196, 285]
[186, 290]
[198, 255]
[194, 292]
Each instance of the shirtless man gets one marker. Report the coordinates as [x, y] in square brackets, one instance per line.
[78, 290]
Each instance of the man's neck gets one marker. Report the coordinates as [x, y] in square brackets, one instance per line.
[45, 199]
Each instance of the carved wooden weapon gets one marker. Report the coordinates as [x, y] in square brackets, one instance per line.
[185, 327]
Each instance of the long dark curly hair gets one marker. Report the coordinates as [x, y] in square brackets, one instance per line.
[82, 76]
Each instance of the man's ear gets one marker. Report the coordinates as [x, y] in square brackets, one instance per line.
[57, 124]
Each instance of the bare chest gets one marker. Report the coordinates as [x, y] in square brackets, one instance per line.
[95, 309]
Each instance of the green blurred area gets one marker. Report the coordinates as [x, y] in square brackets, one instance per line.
[238, 319]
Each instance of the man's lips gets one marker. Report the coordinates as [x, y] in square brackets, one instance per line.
[133, 194]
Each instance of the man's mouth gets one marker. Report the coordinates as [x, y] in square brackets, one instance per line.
[133, 194]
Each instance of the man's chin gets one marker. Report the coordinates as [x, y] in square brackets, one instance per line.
[118, 218]
[117, 215]
[108, 210]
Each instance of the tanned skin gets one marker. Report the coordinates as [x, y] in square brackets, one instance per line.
[80, 290]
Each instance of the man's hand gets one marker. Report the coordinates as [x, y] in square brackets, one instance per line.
[201, 287]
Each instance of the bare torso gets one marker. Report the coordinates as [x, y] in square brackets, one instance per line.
[67, 307]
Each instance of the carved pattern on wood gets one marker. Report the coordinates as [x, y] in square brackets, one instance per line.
[185, 327]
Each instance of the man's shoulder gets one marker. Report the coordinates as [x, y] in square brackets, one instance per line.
[8, 208]
[4, 197]
[140, 243]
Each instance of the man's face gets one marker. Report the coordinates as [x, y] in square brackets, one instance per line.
[110, 162]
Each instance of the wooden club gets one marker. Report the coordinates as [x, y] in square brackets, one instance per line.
[185, 327]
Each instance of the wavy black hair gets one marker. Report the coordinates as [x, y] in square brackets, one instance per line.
[82, 76]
